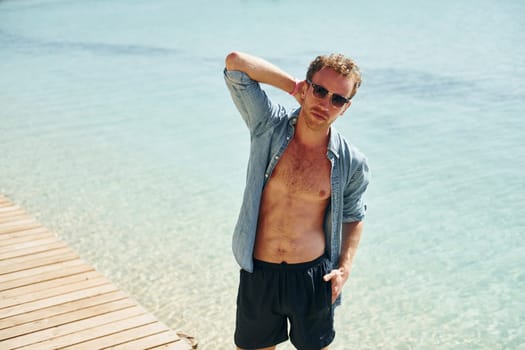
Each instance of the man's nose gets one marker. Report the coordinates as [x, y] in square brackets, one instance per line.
[325, 102]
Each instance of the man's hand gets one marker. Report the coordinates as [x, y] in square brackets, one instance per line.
[338, 278]
[351, 235]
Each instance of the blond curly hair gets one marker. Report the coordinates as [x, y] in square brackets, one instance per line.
[343, 65]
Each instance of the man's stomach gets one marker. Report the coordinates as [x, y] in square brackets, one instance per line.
[276, 246]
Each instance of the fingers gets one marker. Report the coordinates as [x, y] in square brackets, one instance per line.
[330, 275]
[336, 283]
[335, 292]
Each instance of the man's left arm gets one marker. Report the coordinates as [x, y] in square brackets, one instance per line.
[351, 235]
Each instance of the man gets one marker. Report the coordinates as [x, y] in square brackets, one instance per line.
[301, 217]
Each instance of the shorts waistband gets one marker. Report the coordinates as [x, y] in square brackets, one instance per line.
[286, 266]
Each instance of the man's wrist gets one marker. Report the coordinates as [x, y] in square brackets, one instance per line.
[345, 270]
[295, 88]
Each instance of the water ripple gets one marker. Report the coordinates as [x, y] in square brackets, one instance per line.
[425, 85]
[34, 45]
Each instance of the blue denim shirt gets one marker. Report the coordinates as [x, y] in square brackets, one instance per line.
[271, 129]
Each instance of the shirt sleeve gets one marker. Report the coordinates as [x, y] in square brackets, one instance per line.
[354, 208]
[258, 112]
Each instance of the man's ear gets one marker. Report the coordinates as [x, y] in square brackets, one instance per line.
[304, 87]
[301, 95]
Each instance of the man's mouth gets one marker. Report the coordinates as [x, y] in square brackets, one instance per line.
[319, 115]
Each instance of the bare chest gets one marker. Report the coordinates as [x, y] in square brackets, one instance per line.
[302, 173]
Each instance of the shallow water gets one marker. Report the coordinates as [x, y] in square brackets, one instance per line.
[117, 132]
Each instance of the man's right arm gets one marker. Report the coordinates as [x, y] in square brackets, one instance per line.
[243, 75]
[260, 70]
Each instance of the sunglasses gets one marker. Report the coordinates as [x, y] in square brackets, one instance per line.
[321, 92]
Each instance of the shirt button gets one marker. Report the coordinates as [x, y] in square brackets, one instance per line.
[276, 157]
[287, 138]
[266, 175]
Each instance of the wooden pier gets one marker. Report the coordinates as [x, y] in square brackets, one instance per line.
[51, 299]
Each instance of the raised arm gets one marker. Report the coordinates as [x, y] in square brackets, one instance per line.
[262, 71]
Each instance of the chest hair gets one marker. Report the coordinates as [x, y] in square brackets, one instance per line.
[304, 171]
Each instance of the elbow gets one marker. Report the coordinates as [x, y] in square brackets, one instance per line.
[233, 60]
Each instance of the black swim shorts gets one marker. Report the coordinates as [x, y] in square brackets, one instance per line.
[277, 293]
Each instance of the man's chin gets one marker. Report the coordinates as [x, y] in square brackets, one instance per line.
[316, 124]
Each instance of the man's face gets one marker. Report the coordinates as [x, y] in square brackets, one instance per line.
[320, 112]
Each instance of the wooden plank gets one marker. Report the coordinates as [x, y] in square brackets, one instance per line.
[31, 248]
[30, 231]
[79, 331]
[50, 298]
[26, 260]
[65, 318]
[12, 210]
[13, 216]
[148, 342]
[39, 269]
[120, 337]
[4, 202]
[56, 300]
[5, 214]
[44, 294]
[35, 242]
[24, 236]
[18, 225]
[61, 308]
[182, 344]
[45, 273]
[36, 260]
[34, 290]
[91, 333]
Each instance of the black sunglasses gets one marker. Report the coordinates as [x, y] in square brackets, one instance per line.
[321, 92]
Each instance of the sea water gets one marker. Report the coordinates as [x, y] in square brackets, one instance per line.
[117, 133]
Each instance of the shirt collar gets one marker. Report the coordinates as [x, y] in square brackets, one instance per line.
[334, 143]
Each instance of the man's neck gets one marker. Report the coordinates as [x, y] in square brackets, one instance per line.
[311, 138]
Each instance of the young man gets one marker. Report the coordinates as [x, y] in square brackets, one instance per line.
[301, 217]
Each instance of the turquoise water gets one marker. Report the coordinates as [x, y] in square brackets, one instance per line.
[116, 132]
